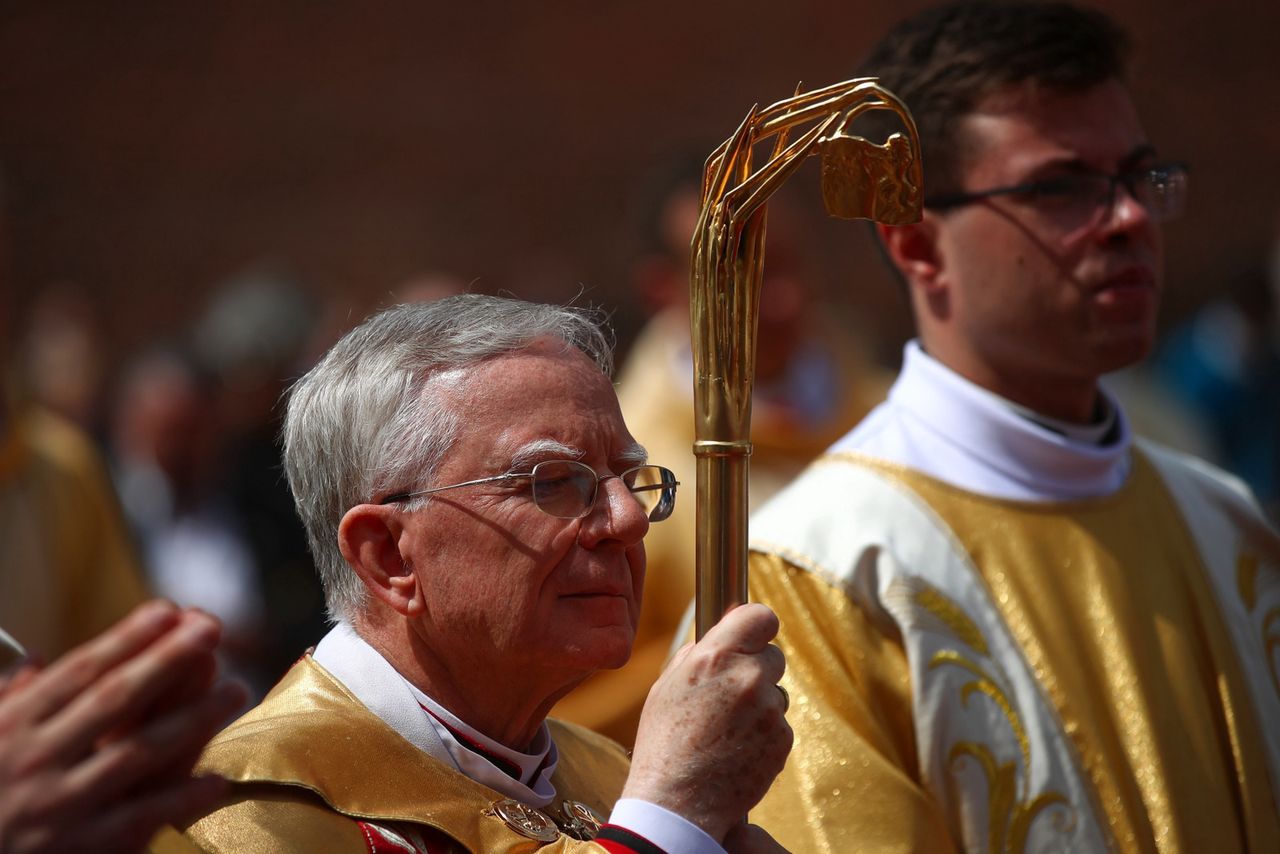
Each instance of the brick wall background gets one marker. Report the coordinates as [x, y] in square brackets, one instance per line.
[152, 148]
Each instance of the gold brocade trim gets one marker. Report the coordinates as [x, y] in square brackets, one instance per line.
[1010, 810]
[933, 601]
[1008, 820]
[985, 684]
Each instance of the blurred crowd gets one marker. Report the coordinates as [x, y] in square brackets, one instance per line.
[182, 437]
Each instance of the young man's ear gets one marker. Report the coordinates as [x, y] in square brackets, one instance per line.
[369, 538]
[913, 249]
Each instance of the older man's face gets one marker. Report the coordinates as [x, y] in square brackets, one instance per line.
[503, 581]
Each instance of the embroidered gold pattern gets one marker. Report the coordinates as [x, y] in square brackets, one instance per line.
[1008, 821]
[933, 601]
[985, 684]
[1010, 809]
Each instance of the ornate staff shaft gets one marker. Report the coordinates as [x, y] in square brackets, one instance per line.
[860, 180]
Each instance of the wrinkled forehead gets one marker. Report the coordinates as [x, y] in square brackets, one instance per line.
[542, 363]
[537, 403]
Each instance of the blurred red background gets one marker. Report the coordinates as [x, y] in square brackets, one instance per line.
[151, 149]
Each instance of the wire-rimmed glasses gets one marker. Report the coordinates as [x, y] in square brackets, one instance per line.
[1089, 196]
[567, 489]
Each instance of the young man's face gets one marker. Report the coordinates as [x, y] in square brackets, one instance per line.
[1040, 300]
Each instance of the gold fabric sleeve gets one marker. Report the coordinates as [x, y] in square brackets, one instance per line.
[850, 782]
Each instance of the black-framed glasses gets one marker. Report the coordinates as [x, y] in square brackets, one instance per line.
[1160, 189]
[567, 489]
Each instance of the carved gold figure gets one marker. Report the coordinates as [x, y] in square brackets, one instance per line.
[860, 179]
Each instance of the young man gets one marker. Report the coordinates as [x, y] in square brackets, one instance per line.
[1008, 624]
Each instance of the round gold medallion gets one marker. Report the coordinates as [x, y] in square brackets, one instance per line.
[525, 820]
[579, 820]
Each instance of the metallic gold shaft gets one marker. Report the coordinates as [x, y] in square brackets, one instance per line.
[860, 180]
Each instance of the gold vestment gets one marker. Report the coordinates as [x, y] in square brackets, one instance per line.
[1130, 651]
[68, 569]
[315, 770]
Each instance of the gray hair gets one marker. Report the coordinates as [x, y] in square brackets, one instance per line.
[363, 422]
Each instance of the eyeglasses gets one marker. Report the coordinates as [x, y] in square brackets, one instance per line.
[567, 489]
[1161, 190]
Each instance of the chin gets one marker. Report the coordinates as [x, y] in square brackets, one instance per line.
[615, 661]
[1120, 354]
[601, 648]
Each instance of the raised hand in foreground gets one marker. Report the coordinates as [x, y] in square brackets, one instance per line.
[96, 749]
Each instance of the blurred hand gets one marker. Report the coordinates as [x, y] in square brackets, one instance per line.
[96, 750]
[712, 735]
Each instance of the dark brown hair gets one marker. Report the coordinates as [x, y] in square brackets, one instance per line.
[946, 60]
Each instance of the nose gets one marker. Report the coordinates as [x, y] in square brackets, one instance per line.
[1125, 214]
[617, 517]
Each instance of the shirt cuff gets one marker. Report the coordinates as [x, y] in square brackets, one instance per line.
[662, 828]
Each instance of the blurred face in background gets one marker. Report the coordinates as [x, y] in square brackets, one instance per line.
[166, 418]
[786, 292]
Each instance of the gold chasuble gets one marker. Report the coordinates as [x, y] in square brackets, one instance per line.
[990, 675]
[68, 569]
[315, 770]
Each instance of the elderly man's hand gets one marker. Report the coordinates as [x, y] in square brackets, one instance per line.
[713, 733]
[96, 750]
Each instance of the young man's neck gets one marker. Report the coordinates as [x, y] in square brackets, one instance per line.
[1068, 399]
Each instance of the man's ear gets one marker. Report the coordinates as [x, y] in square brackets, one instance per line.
[369, 538]
[913, 249]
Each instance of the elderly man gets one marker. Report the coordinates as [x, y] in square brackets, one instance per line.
[476, 506]
[1008, 625]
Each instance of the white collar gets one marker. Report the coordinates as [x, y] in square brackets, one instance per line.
[431, 728]
[946, 426]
